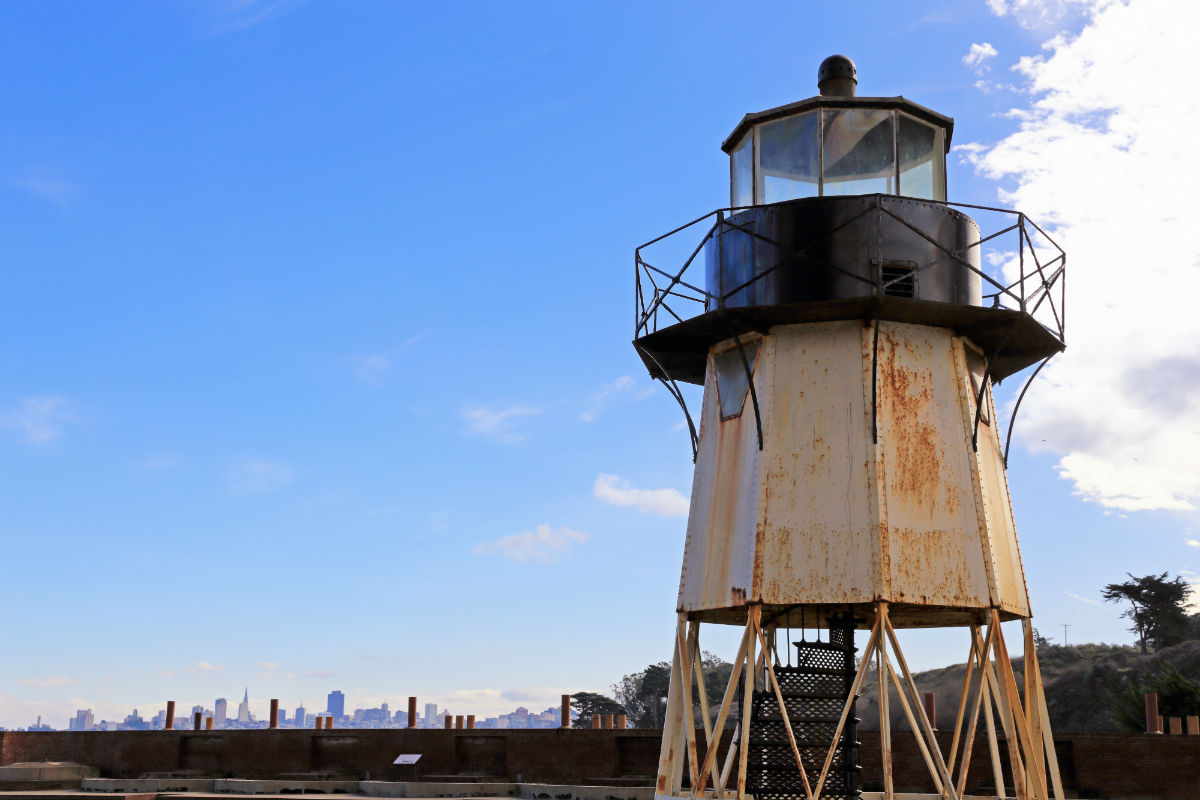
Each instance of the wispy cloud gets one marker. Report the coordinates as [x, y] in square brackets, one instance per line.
[48, 186]
[978, 56]
[205, 666]
[623, 389]
[1193, 543]
[159, 463]
[500, 424]
[1082, 599]
[372, 368]
[253, 475]
[240, 15]
[543, 544]
[49, 682]
[1121, 411]
[664, 502]
[39, 419]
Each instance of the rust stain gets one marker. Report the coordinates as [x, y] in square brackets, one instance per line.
[738, 594]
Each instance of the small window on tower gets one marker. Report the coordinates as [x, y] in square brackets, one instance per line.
[898, 279]
[733, 381]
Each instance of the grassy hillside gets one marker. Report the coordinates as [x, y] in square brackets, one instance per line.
[1089, 687]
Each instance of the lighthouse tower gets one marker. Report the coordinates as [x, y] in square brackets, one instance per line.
[846, 323]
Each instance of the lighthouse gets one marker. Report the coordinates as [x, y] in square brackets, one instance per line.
[847, 323]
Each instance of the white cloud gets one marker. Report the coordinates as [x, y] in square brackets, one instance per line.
[543, 544]
[1044, 15]
[1107, 158]
[206, 666]
[499, 423]
[251, 475]
[39, 419]
[664, 502]
[1082, 599]
[1193, 543]
[50, 681]
[978, 56]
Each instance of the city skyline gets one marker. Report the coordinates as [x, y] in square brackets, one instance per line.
[317, 322]
[379, 717]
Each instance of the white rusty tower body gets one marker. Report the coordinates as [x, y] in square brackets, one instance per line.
[850, 469]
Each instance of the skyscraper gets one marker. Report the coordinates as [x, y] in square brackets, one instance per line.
[431, 720]
[244, 708]
[336, 706]
[301, 720]
[220, 709]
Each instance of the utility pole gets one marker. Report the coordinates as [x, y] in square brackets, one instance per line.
[1065, 634]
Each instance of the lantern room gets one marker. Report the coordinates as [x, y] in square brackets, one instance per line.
[838, 144]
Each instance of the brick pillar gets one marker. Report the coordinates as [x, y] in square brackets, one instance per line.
[1193, 726]
[1176, 726]
[329, 722]
[458, 722]
[208, 723]
[449, 722]
[412, 712]
[318, 722]
[470, 722]
[621, 722]
[274, 723]
[1153, 724]
[596, 721]
[196, 715]
[169, 723]
[931, 709]
[566, 711]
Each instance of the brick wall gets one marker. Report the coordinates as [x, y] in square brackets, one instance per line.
[1093, 765]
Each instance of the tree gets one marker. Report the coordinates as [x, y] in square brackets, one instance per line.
[644, 694]
[589, 704]
[1157, 608]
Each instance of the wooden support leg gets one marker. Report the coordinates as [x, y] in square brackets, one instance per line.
[730, 690]
[868, 652]
[747, 699]
[926, 727]
[670, 762]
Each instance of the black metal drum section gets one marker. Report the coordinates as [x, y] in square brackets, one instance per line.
[814, 693]
[827, 248]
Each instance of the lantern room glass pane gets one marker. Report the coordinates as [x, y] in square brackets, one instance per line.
[741, 173]
[858, 152]
[922, 160]
[787, 159]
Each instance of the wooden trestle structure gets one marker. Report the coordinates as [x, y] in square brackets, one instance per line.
[990, 690]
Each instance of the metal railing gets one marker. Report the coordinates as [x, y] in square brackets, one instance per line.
[1036, 267]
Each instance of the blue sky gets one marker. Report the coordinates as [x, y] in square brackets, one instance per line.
[316, 369]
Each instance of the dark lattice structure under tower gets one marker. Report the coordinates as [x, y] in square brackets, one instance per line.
[814, 691]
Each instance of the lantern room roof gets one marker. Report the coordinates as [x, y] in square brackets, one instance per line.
[840, 101]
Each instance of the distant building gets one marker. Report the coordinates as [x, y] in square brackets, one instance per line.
[336, 705]
[301, 719]
[431, 717]
[83, 721]
[244, 717]
[134, 722]
[221, 708]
